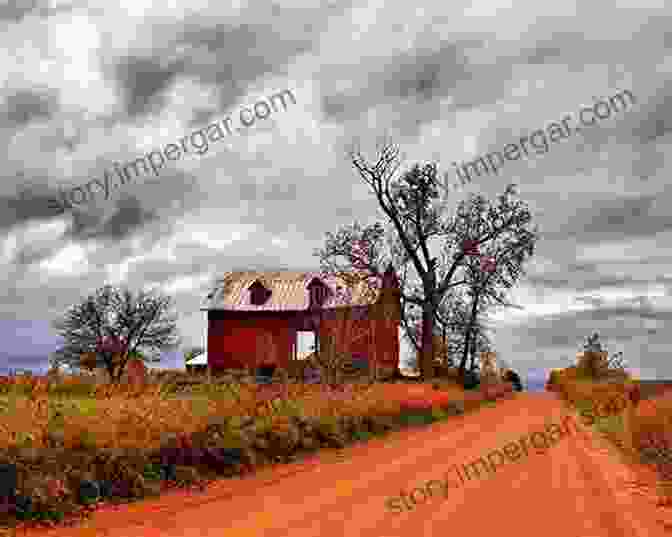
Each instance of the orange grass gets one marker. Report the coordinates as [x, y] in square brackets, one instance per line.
[123, 417]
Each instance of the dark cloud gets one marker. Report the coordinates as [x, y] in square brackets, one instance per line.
[13, 12]
[10, 11]
[230, 57]
[596, 302]
[418, 75]
[654, 116]
[31, 202]
[614, 323]
[24, 106]
[101, 219]
[543, 55]
[202, 117]
[612, 219]
[560, 340]
[143, 82]
[128, 218]
[579, 282]
[33, 254]
[422, 83]
[226, 56]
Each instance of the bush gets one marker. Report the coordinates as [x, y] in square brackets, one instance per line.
[24, 508]
[152, 472]
[89, 491]
[362, 436]
[105, 488]
[8, 480]
[122, 489]
[416, 419]
[471, 380]
[513, 377]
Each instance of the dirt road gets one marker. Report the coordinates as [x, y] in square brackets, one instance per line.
[575, 488]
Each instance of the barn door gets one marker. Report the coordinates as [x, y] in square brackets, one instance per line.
[305, 343]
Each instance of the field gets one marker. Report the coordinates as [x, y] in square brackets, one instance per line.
[73, 443]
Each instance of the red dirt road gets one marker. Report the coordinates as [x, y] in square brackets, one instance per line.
[577, 488]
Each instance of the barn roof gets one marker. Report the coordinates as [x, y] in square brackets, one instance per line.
[289, 291]
[200, 359]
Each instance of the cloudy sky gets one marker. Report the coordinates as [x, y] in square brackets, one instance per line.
[87, 85]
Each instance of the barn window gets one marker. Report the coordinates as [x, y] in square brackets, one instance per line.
[258, 293]
[306, 344]
[318, 292]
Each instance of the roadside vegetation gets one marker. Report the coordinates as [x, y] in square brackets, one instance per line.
[69, 444]
[608, 401]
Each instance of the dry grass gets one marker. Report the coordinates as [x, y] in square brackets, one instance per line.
[109, 416]
[647, 439]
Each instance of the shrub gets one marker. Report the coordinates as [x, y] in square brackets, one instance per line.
[471, 380]
[513, 377]
[221, 458]
[362, 436]
[89, 491]
[121, 489]
[23, 506]
[152, 472]
[416, 419]
[105, 488]
[8, 480]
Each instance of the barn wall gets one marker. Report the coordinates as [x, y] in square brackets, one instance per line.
[387, 343]
[242, 342]
[229, 343]
[380, 345]
[241, 339]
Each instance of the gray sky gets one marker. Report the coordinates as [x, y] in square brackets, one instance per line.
[87, 85]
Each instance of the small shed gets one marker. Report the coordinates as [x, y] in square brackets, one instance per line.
[197, 364]
[256, 318]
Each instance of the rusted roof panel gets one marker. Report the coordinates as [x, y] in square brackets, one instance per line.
[289, 291]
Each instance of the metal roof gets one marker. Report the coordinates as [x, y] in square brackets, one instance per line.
[289, 291]
[201, 359]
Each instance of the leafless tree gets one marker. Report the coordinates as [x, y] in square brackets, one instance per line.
[415, 211]
[135, 323]
[505, 255]
[464, 330]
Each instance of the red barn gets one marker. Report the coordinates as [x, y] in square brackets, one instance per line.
[256, 318]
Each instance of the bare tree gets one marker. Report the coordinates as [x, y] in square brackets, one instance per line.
[415, 211]
[498, 267]
[113, 324]
[453, 321]
[465, 331]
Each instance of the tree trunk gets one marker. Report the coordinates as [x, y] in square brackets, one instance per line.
[467, 336]
[465, 352]
[109, 366]
[427, 354]
[117, 366]
[472, 362]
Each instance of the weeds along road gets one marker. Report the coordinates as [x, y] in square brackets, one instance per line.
[570, 490]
